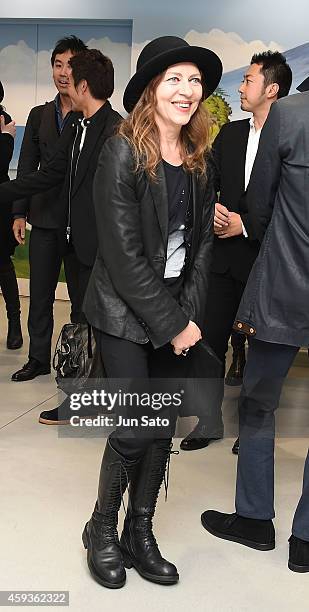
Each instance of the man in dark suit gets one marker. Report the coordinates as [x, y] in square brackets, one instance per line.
[75, 161]
[235, 248]
[274, 309]
[43, 128]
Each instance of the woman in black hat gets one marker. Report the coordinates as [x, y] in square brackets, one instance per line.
[154, 203]
[8, 282]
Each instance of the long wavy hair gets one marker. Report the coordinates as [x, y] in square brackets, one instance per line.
[141, 131]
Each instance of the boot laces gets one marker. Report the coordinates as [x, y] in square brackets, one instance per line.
[122, 485]
[106, 523]
[167, 469]
[144, 529]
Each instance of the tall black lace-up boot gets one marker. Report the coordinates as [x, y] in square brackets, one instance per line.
[100, 536]
[138, 544]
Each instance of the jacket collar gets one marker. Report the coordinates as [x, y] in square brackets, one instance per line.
[96, 125]
[159, 194]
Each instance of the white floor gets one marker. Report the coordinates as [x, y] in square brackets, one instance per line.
[48, 487]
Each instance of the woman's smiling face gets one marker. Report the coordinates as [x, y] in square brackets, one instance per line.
[178, 94]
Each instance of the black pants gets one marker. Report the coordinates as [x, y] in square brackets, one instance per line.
[9, 287]
[128, 360]
[45, 263]
[224, 295]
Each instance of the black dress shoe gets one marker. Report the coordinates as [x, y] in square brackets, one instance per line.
[55, 417]
[14, 338]
[30, 370]
[235, 374]
[254, 533]
[299, 555]
[62, 414]
[235, 447]
[197, 439]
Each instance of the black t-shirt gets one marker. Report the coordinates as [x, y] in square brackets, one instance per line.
[177, 183]
[178, 186]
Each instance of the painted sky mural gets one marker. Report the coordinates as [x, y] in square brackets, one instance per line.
[235, 32]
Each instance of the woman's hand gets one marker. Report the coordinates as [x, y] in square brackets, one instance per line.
[9, 128]
[188, 337]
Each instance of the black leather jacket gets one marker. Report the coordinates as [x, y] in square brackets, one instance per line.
[126, 295]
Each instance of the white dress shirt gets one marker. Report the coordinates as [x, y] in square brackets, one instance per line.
[252, 147]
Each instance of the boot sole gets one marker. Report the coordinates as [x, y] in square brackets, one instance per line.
[97, 578]
[230, 538]
[14, 348]
[233, 382]
[49, 422]
[167, 580]
[32, 377]
[201, 445]
[301, 569]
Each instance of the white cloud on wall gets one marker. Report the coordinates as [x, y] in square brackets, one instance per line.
[18, 75]
[231, 48]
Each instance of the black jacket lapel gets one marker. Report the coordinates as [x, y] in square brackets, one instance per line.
[242, 149]
[198, 186]
[93, 134]
[48, 125]
[159, 194]
[91, 140]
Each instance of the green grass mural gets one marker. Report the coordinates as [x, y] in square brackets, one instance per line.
[21, 261]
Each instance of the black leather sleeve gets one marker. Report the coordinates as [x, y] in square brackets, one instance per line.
[121, 246]
[6, 152]
[194, 295]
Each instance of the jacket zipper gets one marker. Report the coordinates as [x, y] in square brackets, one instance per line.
[68, 228]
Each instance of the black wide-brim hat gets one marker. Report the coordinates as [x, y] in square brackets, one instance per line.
[1, 92]
[166, 51]
[304, 85]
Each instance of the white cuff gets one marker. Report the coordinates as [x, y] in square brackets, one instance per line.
[245, 234]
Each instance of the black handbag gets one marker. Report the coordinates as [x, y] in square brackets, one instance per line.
[76, 360]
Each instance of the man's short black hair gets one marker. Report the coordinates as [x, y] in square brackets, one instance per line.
[97, 70]
[69, 43]
[275, 69]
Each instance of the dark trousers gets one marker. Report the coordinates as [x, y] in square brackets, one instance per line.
[267, 366]
[128, 360]
[223, 299]
[9, 287]
[45, 263]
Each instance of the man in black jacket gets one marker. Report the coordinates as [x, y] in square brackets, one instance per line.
[267, 78]
[274, 309]
[74, 162]
[43, 128]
